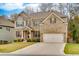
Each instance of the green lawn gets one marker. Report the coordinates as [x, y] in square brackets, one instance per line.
[14, 46]
[71, 48]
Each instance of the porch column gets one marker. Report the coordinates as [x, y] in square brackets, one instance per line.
[30, 34]
[22, 34]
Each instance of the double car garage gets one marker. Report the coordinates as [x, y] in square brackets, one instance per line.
[53, 38]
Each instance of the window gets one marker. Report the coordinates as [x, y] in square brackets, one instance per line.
[26, 22]
[8, 28]
[0, 27]
[35, 23]
[52, 20]
[29, 23]
[19, 22]
[18, 34]
[36, 34]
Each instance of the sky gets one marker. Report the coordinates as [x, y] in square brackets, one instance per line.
[7, 9]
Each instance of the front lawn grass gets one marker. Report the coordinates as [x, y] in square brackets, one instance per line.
[6, 48]
[71, 48]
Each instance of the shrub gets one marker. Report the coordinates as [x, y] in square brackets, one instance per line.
[77, 40]
[15, 40]
[21, 40]
[18, 40]
[0, 41]
[38, 40]
[5, 42]
[29, 40]
[33, 40]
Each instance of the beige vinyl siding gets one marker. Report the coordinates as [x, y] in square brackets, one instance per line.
[59, 26]
[7, 35]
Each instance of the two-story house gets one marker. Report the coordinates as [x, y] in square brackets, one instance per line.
[7, 32]
[50, 26]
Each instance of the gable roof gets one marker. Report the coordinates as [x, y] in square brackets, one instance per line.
[5, 22]
[41, 15]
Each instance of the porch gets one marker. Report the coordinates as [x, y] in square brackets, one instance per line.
[28, 34]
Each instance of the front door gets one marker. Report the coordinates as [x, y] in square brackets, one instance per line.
[26, 34]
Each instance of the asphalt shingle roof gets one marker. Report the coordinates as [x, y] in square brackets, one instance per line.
[5, 22]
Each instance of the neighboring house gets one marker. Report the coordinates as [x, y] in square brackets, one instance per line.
[48, 26]
[6, 29]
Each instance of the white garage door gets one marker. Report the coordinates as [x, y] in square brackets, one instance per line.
[53, 37]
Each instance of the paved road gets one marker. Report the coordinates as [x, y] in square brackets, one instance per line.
[42, 49]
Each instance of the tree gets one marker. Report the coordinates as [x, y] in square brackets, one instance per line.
[28, 10]
[45, 6]
[73, 27]
[61, 8]
[50, 5]
[73, 10]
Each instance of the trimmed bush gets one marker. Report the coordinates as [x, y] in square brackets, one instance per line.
[77, 40]
[15, 40]
[29, 40]
[18, 40]
[38, 40]
[22, 40]
[3, 42]
[0, 41]
[33, 40]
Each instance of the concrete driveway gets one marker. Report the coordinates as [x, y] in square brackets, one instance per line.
[42, 49]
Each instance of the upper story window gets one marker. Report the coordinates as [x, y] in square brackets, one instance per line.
[52, 20]
[19, 22]
[26, 22]
[36, 22]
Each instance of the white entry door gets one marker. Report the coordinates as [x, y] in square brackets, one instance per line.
[53, 37]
